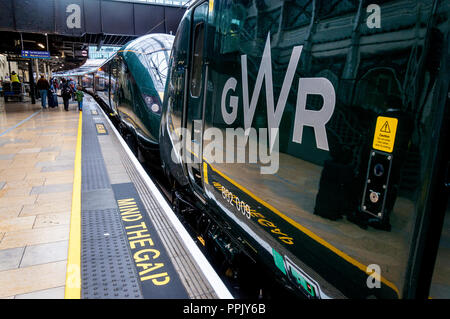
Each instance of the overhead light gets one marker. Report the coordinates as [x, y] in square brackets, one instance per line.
[41, 45]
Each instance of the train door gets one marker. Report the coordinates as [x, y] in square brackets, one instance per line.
[114, 75]
[195, 96]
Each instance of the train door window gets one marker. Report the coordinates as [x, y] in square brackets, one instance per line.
[195, 102]
[114, 82]
[197, 59]
[177, 75]
[124, 91]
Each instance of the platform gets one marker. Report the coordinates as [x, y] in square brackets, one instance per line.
[79, 217]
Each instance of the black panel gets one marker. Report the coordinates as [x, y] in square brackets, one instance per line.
[76, 17]
[117, 18]
[148, 19]
[173, 18]
[35, 16]
[6, 16]
[91, 17]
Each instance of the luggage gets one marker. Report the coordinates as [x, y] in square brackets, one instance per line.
[52, 99]
[336, 195]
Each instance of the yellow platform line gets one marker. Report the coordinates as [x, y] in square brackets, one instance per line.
[73, 274]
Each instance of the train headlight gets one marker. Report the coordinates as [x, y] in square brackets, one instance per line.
[152, 103]
[155, 108]
[148, 100]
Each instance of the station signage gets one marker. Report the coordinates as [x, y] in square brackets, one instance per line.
[35, 54]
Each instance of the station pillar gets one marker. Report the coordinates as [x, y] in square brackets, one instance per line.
[31, 78]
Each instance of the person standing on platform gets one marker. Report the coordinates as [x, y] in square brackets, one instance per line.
[43, 86]
[79, 96]
[66, 93]
[14, 77]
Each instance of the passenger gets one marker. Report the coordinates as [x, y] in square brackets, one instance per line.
[43, 86]
[72, 86]
[14, 77]
[66, 93]
[79, 95]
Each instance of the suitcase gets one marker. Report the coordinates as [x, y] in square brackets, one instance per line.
[52, 100]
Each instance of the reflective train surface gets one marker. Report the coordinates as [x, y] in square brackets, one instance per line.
[306, 141]
[130, 85]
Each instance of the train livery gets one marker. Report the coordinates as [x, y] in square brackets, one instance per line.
[307, 139]
[130, 85]
[353, 95]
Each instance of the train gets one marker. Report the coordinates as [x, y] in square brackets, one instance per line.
[306, 141]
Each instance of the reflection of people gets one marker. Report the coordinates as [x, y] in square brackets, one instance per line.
[43, 86]
[14, 77]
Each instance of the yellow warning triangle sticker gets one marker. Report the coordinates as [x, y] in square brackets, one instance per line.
[384, 136]
[385, 128]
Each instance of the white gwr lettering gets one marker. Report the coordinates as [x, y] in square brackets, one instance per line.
[303, 117]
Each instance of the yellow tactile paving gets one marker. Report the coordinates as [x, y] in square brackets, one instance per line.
[33, 278]
[33, 211]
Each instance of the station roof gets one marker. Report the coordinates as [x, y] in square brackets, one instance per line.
[89, 66]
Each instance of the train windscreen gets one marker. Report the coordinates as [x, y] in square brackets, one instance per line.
[154, 55]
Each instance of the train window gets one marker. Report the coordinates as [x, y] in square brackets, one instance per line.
[158, 65]
[197, 60]
[327, 193]
[114, 76]
[124, 87]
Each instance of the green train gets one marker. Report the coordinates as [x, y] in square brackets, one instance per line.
[130, 86]
[316, 133]
[306, 142]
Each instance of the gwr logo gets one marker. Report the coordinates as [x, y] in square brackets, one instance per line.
[303, 117]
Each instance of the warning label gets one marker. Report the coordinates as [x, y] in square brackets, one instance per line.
[384, 137]
[101, 130]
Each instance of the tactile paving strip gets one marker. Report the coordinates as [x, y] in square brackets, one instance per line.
[93, 164]
[190, 274]
[107, 269]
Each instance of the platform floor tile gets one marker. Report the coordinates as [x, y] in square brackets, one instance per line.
[52, 293]
[34, 278]
[37, 152]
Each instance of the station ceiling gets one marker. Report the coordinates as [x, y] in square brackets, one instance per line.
[71, 26]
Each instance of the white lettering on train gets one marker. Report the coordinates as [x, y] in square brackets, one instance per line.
[303, 117]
